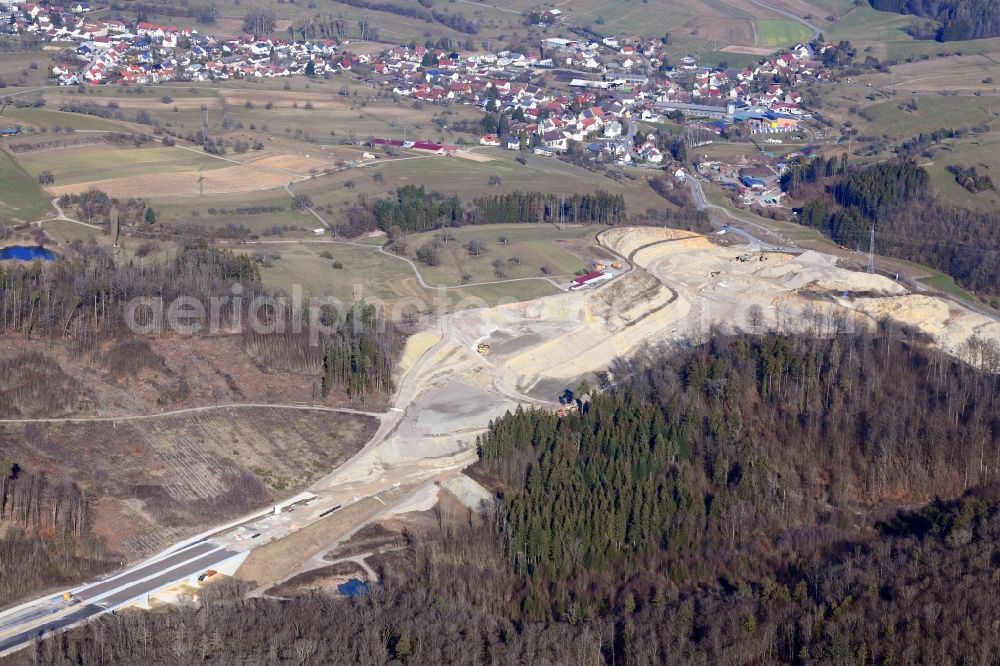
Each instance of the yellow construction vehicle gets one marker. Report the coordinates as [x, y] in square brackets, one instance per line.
[566, 410]
[483, 348]
[617, 265]
[67, 597]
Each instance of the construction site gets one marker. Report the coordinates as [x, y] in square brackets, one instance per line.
[471, 366]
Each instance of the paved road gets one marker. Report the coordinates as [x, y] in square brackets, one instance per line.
[701, 203]
[132, 584]
[141, 572]
[21, 639]
[51, 614]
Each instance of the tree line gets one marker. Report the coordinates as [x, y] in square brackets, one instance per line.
[599, 207]
[116, 138]
[414, 210]
[83, 295]
[957, 19]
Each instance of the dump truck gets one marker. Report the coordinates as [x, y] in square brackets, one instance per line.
[483, 348]
[617, 265]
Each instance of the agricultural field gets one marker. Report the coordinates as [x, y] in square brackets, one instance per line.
[309, 266]
[53, 120]
[21, 199]
[933, 112]
[470, 179]
[269, 214]
[732, 59]
[24, 68]
[979, 151]
[780, 32]
[83, 165]
[346, 272]
[966, 73]
[533, 246]
[883, 35]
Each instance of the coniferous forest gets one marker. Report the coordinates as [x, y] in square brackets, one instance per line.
[756, 499]
[359, 358]
[413, 210]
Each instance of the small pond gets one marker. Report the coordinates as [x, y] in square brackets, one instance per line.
[26, 253]
[353, 588]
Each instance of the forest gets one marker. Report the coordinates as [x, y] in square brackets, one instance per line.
[736, 502]
[46, 533]
[414, 210]
[957, 19]
[910, 223]
[360, 356]
[84, 295]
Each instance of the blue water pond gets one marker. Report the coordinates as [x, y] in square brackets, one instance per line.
[353, 588]
[26, 253]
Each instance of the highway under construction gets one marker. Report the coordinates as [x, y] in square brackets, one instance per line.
[471, 366]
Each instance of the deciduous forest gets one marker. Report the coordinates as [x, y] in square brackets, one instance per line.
[844, 203]
[47, 539]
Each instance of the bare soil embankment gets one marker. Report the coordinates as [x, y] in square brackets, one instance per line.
[159, 479]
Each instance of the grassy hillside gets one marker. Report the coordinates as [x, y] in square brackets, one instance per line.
[21, 199]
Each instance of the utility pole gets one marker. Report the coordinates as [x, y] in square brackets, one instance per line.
[871, 251]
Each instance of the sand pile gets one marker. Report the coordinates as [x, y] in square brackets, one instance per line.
[589, 346]
[468, 491]
[632, 297]
[423, 499]
[820, 270]
[950, 324]
[416, 346]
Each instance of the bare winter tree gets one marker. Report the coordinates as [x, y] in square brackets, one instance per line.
[755, 318]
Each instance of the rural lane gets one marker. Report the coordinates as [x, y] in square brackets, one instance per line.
[410, 262]
[798, 19]
[191, 410]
